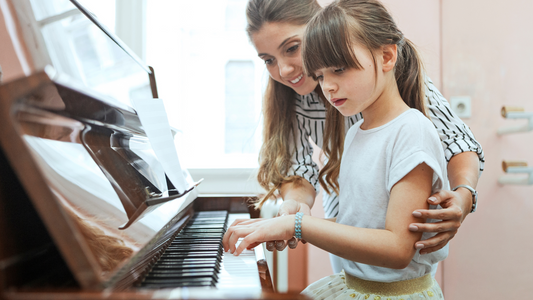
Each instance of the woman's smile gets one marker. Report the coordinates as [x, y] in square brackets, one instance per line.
[298, 81]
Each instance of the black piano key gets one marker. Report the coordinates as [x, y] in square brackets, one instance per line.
[195, 249]
[198, 281]
[193, 258]
[202, 230]
[184, 266]
[207, 226]
[198, 241]
[214, 221]
[199, 254]
[170, 271]
[199, 236]
[178, 285]
[174, 261]
[183, 275]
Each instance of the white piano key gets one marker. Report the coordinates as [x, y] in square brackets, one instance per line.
[239, 271]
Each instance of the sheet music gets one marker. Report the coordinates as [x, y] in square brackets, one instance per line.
[154, 120]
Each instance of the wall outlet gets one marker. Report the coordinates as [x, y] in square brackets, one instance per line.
[461, 106]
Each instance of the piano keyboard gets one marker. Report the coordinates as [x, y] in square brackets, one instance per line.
[196, 259]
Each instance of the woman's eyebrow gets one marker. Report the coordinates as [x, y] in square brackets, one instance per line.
[285, 41]
[280, 45]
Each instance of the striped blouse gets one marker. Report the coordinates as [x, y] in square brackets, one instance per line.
[455, 135]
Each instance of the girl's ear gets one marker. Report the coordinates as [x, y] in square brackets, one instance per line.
[390, 54]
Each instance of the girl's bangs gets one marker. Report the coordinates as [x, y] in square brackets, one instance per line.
[327, 42]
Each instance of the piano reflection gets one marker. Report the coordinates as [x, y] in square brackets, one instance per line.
[86, 207]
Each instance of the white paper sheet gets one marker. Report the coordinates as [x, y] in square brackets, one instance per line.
[154, 120]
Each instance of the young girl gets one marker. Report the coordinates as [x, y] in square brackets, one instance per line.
[391, 163]
[294, 113]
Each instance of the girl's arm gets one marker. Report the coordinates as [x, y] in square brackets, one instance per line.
[465, 163]
[390, 247]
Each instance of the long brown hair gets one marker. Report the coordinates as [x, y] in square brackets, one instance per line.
[279, 100]
[328, 42]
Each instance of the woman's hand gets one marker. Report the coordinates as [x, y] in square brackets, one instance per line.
[455, 207]
[288, 207]
[257, 231]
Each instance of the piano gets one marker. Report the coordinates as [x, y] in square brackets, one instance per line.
[86, 209]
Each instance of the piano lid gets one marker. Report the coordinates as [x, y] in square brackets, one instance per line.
[80, 151]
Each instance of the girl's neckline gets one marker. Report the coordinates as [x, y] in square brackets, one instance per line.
[372, 130]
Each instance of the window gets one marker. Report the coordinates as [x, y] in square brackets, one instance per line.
[208, 73]
[240, 127]
[76, 47]
[210, 78]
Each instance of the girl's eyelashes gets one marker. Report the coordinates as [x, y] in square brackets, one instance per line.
[339, 70]
[268, 61]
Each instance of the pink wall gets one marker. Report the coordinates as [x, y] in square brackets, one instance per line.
[487, 55]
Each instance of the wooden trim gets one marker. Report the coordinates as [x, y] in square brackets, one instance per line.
[61, 227]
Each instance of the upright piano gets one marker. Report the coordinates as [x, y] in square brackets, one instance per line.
[87, 210]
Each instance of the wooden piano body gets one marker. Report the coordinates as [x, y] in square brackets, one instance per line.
[64, 148]
[45, 249]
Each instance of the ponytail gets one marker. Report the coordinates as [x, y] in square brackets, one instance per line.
[410, 76]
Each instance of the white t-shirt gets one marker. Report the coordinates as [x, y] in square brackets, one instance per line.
[310, 111]
[373, 161]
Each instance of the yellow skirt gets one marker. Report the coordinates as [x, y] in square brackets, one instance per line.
[344, 286]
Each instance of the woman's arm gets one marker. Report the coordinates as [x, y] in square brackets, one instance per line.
[390, 247]
[299, 195]
[465, 163]
[463, 168]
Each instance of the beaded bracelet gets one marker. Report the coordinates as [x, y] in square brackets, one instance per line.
[298, 225]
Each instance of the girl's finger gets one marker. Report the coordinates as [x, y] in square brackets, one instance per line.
[225, 239]
[253, 245]
[245, 243]
[245, 221]
[234, 238]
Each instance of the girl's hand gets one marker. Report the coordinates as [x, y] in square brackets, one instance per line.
[455, 206]
[288, 207]
[254, 233]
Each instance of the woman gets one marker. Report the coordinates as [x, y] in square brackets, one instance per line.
[294, 112]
